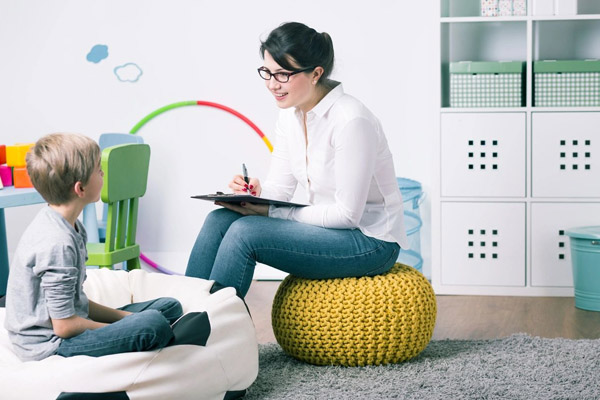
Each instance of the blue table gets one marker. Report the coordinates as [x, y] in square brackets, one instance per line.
[11, 197]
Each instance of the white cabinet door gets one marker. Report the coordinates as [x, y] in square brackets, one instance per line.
[550, 248]
[566, 154]
[483, 244]
[483, 154]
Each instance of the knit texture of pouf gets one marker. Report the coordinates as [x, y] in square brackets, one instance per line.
[375, 320]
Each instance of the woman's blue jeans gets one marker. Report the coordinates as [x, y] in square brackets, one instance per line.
[229, 245]
[148, 328]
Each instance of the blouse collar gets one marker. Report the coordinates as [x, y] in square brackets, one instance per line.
[326, 102]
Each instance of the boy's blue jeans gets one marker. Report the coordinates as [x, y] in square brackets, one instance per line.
[148, 328]
[229, 245]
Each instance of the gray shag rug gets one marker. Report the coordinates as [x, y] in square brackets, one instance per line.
[516, 367]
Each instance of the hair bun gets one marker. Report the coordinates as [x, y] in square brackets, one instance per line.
[302, 44]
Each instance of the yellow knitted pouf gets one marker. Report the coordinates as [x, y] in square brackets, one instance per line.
[375, 320]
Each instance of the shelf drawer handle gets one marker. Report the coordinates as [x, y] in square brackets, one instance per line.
[596, 242]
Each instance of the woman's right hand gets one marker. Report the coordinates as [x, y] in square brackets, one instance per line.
[239, 186]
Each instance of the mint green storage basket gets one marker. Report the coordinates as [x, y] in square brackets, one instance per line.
[585, 257]
[567, 83]
[487, 84]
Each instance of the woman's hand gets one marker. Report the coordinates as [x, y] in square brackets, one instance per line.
[246, 208]
[239, 186]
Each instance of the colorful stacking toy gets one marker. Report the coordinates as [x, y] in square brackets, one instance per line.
[13, 166]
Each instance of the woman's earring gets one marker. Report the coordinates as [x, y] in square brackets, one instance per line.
[314, 82]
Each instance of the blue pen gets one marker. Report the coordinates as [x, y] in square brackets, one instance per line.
[245, 172]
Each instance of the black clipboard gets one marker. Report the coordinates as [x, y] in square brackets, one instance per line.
[238, 198]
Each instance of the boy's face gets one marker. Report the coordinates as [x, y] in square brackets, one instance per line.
[94, 185]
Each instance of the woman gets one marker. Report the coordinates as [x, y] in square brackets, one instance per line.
[335, 148]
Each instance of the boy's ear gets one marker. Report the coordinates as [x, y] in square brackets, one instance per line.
[78, 189]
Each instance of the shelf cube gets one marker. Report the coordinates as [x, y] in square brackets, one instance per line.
[567, 83]
[550, 248]
[565, 153]
[2, 154]
[483, 243]
[486, 84]
[483, 154]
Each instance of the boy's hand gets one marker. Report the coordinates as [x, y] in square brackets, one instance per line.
[74, 325]
[99, 316]
[101, 313]
[124, 313]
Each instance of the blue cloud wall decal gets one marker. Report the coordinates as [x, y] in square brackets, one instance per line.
[98, 53]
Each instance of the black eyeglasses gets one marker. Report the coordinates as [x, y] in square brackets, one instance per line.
[281, 77]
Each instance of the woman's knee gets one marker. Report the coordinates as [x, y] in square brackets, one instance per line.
[214, 215]
[240, 230]
[220, 218]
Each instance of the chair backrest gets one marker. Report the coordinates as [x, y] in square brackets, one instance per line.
[113, 139]
[125, 179]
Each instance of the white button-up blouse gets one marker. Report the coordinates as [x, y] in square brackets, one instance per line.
[344, 165]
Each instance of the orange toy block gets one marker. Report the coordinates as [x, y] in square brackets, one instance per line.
[15, 155]
[21, 178]
[2, 154]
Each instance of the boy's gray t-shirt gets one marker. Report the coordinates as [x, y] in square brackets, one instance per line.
[45, 281]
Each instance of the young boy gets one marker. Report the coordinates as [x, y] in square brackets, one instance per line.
[47, 311]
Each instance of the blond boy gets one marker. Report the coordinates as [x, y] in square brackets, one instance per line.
[47, 311]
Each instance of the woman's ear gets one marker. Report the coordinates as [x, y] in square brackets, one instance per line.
[317, 73]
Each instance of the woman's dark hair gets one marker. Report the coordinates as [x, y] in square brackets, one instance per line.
[297, 43]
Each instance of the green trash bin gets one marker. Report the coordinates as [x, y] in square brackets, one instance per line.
[585, 256]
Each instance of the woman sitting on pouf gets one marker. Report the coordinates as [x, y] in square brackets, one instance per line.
[333, 146]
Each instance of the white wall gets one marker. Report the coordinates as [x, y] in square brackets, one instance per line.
[205, 50]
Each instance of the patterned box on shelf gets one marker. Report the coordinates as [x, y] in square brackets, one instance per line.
[486, 84]
[489, 8]
[505, 8]
[519, 7]
[567, 83]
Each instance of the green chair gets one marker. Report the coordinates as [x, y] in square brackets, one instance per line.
[125, 177]
[95, 228]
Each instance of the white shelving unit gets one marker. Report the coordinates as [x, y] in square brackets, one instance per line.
[510, 181]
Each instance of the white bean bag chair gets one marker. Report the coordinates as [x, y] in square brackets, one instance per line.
[220, 361]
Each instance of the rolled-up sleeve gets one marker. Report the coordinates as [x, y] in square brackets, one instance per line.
[58, 273]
